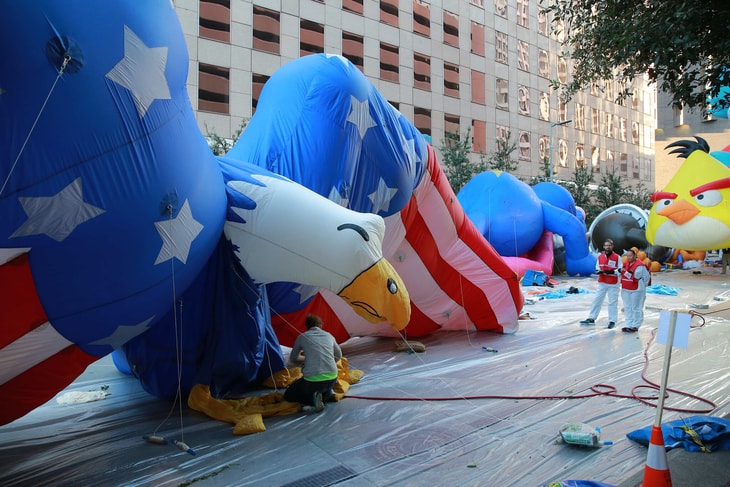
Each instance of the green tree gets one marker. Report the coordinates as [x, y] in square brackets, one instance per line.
[611, 191]
[681, 45]
[220, 145]
[501, 158]
[639, 196]
[544, 172]
[455, 151]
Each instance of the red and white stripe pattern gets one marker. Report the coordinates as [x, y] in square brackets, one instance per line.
[455, 279]
[36, 362]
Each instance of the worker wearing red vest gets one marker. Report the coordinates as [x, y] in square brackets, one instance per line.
[634, 279]
[609, 266]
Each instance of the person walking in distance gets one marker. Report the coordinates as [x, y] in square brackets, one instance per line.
[609, 265]
[634, 280]
[725, 259]
[320, 355]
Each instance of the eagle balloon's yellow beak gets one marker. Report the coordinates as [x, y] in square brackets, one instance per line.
[378, 294]
[679, 212]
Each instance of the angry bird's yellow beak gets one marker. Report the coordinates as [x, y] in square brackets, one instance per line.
[379, 294]
[681, 211]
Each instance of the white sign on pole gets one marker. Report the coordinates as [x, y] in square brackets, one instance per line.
[681, 331]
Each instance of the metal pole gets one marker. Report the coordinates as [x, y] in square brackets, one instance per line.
[665, 372]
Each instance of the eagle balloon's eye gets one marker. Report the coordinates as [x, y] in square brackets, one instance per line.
[392, 286]
[708, 198]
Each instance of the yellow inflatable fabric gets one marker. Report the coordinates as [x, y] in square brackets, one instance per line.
[247, 413]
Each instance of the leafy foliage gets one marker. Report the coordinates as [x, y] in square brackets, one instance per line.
[501, 159]
[221, 145]
[682, 45]
[459, 168]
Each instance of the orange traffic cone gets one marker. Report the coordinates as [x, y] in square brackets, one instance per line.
[656, 473]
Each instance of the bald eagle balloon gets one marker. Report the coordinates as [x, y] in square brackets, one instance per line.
[122, 232]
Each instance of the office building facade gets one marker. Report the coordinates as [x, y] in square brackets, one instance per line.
[481, 67]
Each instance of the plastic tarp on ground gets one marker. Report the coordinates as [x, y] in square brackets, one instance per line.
[413, 441]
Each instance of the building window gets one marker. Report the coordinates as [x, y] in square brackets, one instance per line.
[595, 121]
[388, 62]
[542, 22]
[609, 91]
[562, 70]
[500, 8]
[478, 87]
[311, 37]
[257, 84]
[543, 149]
[266, 30]
[523, 18]
[559, 30]
[502, 94]
[635, 166]
[609, 162]
[213, 82]
[624, 165]
[543, 63]
[421, 71]
[609, 125]
[562, 153]
[389, 12]
[678, 115]
[545, 106]
[352, 48]
[451, 79]
[478, 3]
[579, 116]
[580, 158]
[523, 55]
[352, 6]
[451, 125]
[422, 120]
[421, 18]
[524, 146]
[478, 136]
[523, 100]
[477, 38]
[635, 133]
[622, 129]
[500, 46]
[502, 132]
[215, 20]
[594, 89]
[562, 111]
[647, 170]
[451, 29]
[595, 159]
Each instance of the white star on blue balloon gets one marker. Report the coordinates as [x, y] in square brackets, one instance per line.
[122, 334]
[56, 216]
[177, 235]
[381, 197]
[359, 115]
[142, 71]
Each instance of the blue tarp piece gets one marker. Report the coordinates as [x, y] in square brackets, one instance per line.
[696, 433]
[561, 293]
[661, 289]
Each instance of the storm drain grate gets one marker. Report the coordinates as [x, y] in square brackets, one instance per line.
[320, 479]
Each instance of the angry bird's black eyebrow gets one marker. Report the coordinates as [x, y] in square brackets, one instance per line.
[685, 147]
[357, 228]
